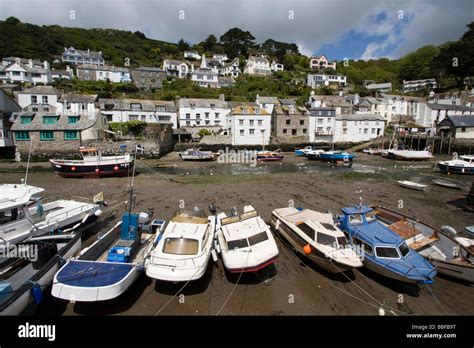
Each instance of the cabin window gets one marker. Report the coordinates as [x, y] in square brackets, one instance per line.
[363, 246]
[237, 244]
[306, 229]
[181, 246]
[404, 249]
[388, 252]
[8, 216]
[258, 238]
[325, 239]
[355, 219]
[342, 241]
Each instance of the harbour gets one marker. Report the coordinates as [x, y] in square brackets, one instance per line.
[293, 284]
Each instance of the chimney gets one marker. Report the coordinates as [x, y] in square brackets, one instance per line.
[68, 68]
[256, 98]
[88, 51]
[222, 97]
[46, 64]
[65, 49]
[192, 67]
[30, 63]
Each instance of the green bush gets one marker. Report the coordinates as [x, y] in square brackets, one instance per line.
[135, 128]
[204, 132]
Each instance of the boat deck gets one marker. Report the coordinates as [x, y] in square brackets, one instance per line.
[404, 229]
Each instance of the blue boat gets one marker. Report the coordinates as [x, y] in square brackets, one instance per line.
[110, 265]
[337, 157]
[383, 251]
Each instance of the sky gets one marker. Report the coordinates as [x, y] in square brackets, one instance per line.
[353, 29]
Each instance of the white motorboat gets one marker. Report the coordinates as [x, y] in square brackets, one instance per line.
[108, 267]
[24, 214]
[314, 235]
[183, 250]
[29, 267]
[462, 165]
[412, 185]
[245, 241]
[197, 155]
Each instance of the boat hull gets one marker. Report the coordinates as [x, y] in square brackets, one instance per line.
[451, 169]
[253, 268]
[65, 170]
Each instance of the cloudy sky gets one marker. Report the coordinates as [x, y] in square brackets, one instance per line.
[338, 28]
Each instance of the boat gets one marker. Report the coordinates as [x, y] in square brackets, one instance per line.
[409, 155]
[462, 165]
[108, 267]
[314, 154]
[315, 235]
[93, 165]
[23, 213]
[448, 184]
[197, 155]
[383, 250]
[372, 151]
[439, 247]
[183, 250]
[245, 241]
[266, 155]
[30, 268]
[303, 151]
[338, 157]
[412, 185]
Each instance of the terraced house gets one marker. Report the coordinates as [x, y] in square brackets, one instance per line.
[15, 69]
[290, 122]
[250, 125]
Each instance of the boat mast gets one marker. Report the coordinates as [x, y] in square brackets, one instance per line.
[131, 186]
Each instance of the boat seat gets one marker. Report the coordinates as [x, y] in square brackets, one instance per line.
[425, 241]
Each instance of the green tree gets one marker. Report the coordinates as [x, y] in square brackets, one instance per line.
[236, 41]
[209, 43]
[183, 45]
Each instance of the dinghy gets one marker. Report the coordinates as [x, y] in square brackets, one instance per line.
[23, 213]
[108, 267]
[93, 165]
[245, 241]
[30, 269]
[448, 184]
[462, 165]
[197, 155]
[182, 252]
[315, 236]
[442, 249]
[412, 185]
[383, 250]
[266, 156]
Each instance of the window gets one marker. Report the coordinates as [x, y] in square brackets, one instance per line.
[206, 115]
[293, 132]
[22, 135]
[237, 244]
[133, 117]
[344, 131]
[301, 122]
[342, 241]
[16, 73]
[325, 239]
[208, 122]
[373, 130]
[213, 106]
[50, 119]
[285, 131]
[34, 99]
[355, 219]
[83, 106]
[193, 106]
[198, 116]
[188, 123]
[46, 135]
[241, 122]
[305, 131]
[366, 130]
[319, 129]
[44, 99]
[366, 122]
[388, 252]
[72, 119]
[26, 119]
[242, 132]
[34, 109]
[70, 135]
[320, 120]
[260, 122]
[463, 129]
[258, 238]
[363, 246]
[306, 229]
[188, 116]
[181, 246]
[143, 117]
[251, 131]
[136, 106]
[257, 111]
[216, 115]
[251, 122]
[404, 250]
[288, 122]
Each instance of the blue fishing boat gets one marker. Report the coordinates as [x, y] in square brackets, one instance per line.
[337, 157]
[384, 251]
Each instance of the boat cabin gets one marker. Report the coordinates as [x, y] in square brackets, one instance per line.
[467, 158]
[239, 236]
[18, 202]
[367, 234]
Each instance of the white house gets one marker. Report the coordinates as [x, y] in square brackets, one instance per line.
[62, 74]
[14, 69]
[257, 66]
[77, 104]
[177, 68]
[196, 112]
[150, 111]
[430, 115]
[114, 74]
[205, 78]
[458, 126]
[379, 87]
[321, 62]
[321, 124]
[191, 55]
[232, 68]
[316, 80]
[267, 103]
[358, 128]
[449, 98]
[38, 98]
[276, 66]
[250, 125]
[220, 57]
[415, 85]
[7, 107]
[76, 57]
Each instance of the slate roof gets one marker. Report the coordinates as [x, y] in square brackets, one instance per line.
[85, 53]
[40, 90]
[125, 104]
[150, 69]
[449, 107]
[461, 121]
[360, 117]
[244, 109]
[202, 103]
[78, 98]
[268, 100]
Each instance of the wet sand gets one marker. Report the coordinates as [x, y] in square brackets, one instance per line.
[293, 285]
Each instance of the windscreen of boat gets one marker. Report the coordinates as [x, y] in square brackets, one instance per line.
[387, 252]
[7, 216]
[342, 241]
[237, 244]
[355, 219]
[258, 238]
[328, 226]
[404, 249]
[370, 216]
[325, 239]
[192, 217]
[181, 246]
[248, 215]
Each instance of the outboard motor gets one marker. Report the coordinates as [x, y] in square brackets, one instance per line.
[233, 211]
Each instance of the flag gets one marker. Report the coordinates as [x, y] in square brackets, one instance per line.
[99, 197]
[140, 148]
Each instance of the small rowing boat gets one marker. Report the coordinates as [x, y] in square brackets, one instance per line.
[412, 185]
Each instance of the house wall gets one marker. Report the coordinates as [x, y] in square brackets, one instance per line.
[188, 117]
[467, 134]
[321, 128]
[354, 131]
[288, 127]
[261, 134]
[145, 116]
[24, 100]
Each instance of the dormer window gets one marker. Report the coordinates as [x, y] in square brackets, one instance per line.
[257, 111]
[213, 106]
[44, 99]
[193, 106]
[26, 119]
[50, 119]
[160, 108]
[72, 119]
[244, 111]
[136, 106]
